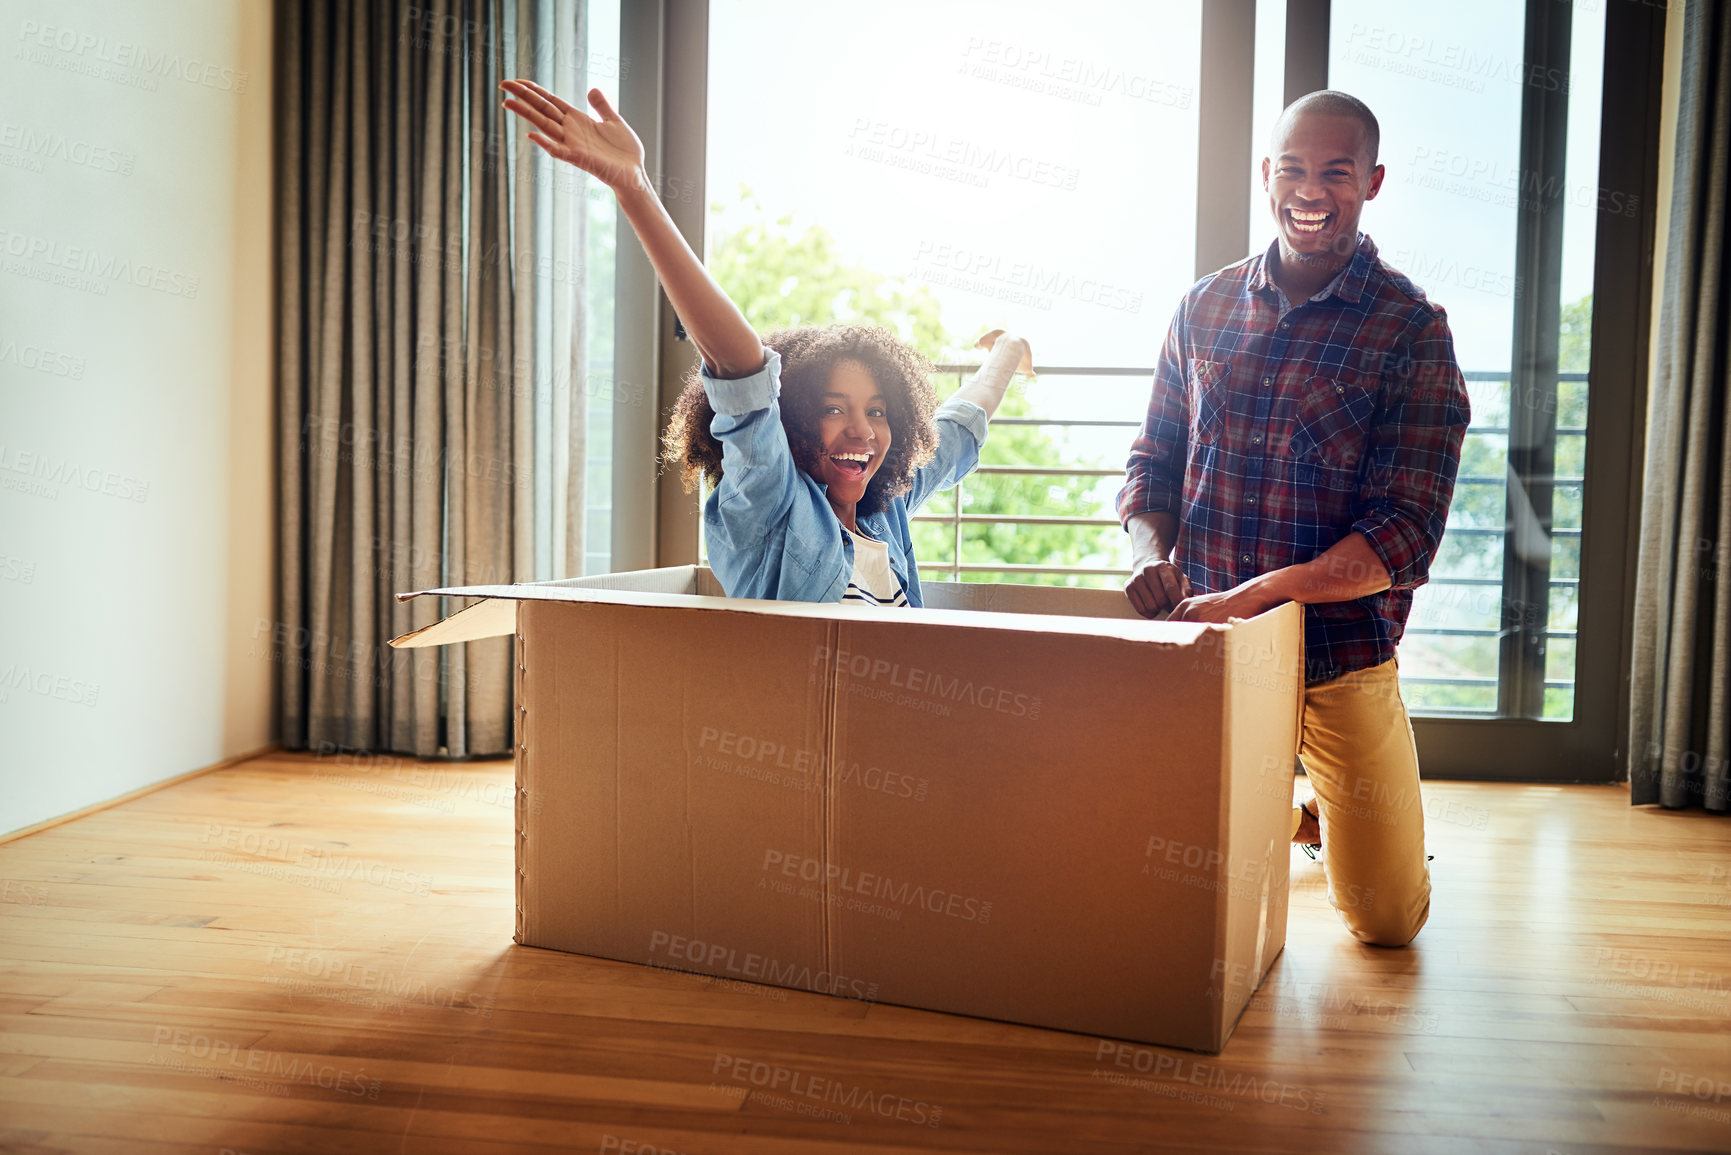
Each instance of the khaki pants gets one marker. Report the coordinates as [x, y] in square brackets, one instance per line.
[1358, 751]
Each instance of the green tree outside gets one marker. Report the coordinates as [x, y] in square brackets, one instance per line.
[782, 275]
[1483, 505]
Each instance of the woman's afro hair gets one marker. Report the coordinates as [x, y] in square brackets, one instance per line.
[808, 353]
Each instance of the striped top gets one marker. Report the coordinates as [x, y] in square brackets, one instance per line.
[872, 582]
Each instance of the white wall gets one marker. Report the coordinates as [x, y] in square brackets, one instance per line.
[136, 455]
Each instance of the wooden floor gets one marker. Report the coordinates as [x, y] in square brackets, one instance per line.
[316, 956]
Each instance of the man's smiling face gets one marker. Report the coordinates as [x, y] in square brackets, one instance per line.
[1319, 176]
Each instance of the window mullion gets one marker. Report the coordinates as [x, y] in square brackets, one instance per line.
[1223, 133]
[1532, 439]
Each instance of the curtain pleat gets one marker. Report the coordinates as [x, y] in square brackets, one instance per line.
[1680, 722]
[291, 357]
[332, 437]
[356, 594]
[522, 316]
[412, 232]
[568, 271]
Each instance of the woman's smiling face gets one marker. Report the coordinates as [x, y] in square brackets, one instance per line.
[854, 427]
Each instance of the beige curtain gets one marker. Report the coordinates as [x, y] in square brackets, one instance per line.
[1681, 695]
[431, 309]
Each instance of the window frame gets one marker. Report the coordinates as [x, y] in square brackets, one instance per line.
[664, 93]
[1592, 745]
[656, 524]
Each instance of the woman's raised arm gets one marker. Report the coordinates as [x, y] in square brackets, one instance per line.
[605, 147]
[1005, 357]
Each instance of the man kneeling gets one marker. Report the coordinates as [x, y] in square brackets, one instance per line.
[1301, 444]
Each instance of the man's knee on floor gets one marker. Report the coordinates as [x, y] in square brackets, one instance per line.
[1387, 932]
[1374, 917]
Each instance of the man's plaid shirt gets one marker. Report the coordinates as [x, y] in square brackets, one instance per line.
[1275, 430]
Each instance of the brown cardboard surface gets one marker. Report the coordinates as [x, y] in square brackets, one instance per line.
[1044, 792]
[1262, 665]
[496, 614]
[1065, 819]
[489, 618]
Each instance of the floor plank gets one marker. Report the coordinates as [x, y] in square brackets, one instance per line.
[312, 955]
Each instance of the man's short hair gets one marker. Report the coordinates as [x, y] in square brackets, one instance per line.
[1331, 102]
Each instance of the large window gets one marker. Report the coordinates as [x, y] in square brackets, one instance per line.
[917, 166]
[946, 174]
[606, 66]
[577, 387]
[1461, 189]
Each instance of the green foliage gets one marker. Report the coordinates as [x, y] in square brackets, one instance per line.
[1023, 495]
[600, 243]
[781, 275]
[1574, 339]
[1480, 502]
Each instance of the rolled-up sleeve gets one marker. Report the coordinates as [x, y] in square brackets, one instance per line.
[1413, 455]
[1154, 474]
[758, 474]
[961, 426]
[738, 396]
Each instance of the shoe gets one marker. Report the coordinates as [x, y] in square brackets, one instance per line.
[1311, 849]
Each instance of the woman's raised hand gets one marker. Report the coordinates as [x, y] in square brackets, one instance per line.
[606, 149]
[1018, 345]
[604, 146]
[1006, 355]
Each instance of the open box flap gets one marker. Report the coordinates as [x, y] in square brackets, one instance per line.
[492, 618]
[1089, 612]
[497, 616]
[1022, 598]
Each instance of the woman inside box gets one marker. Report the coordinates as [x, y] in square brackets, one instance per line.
[819, 440]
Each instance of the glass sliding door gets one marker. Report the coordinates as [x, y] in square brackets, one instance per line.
[1490, 206]
[1039, 171]
[1511, 202]
[949, 169]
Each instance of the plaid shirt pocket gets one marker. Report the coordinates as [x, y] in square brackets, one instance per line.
[1332, 429]
[1209, 381]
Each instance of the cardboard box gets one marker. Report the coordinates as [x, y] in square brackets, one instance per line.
[1022, 803]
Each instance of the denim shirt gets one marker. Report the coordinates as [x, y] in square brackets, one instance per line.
[769, 525]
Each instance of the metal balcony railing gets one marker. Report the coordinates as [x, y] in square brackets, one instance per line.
[958, 517]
